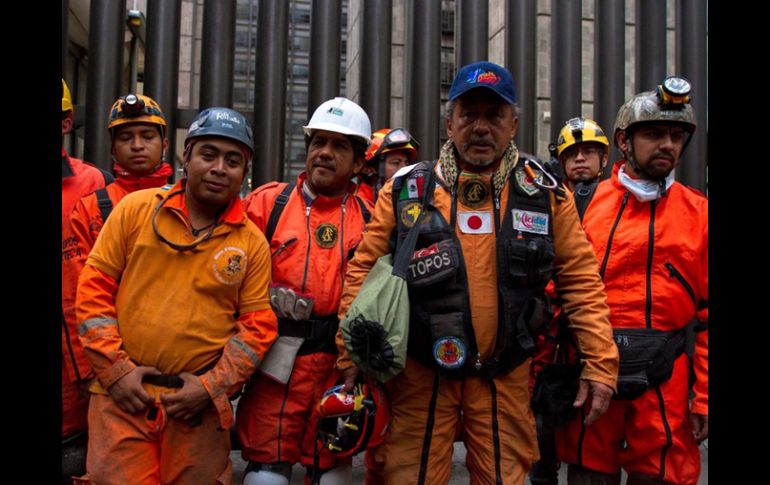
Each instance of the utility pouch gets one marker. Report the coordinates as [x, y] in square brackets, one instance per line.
[639, 348]
[555, 390]
[434, 264]
[529, 261]
[450, 348]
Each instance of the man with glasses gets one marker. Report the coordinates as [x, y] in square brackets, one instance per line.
[174, 316]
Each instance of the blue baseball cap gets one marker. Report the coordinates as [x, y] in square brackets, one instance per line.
[484, 74]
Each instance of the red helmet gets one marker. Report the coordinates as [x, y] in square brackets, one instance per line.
[352, 421]
[389, 140]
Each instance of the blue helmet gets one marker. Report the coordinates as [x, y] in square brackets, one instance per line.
[223, 122]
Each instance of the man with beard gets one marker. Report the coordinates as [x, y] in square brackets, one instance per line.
[651, 235]
[491, 233]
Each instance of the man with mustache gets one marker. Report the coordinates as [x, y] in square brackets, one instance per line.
[650, 234]
[491, 233]
[313, 226]
[175, 316]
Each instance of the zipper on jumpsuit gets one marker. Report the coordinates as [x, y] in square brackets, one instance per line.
[674, 273]
[648, 323]
[307, 253]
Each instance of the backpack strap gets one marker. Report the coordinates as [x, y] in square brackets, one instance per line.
[364, 211]
[105, 203]
[108, 177]
[584, 192]
[278, 207]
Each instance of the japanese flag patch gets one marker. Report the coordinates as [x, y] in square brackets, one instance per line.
[472, 222]
[527, 221]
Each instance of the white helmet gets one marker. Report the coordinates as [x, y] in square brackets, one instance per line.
[341, 115]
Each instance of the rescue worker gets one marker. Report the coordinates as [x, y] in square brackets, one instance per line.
[581, 149]
[651, 235]
[471, 312]
[390, 150]
[314, 225]
[174, 316]
[78, 178]
[137, 130]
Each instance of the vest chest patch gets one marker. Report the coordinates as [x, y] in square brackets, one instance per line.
[326, 235]
[528, 221]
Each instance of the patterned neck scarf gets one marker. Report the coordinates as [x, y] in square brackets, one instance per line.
[450, 170]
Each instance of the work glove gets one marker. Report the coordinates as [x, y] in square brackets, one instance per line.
[287, 303]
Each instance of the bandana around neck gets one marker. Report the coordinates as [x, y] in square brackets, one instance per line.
[450, 170]
[644, 190]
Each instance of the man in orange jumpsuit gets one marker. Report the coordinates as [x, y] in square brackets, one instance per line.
[137, 129]
[175, 316]
[314, 226]
[494, 235]
[78, 178]
[651, 235]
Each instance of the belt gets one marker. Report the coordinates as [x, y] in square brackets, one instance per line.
[321, 328]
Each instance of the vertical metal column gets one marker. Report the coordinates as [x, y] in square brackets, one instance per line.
[691, 63]
[375, 61]
[65, 20]
[520, 42]
[472, 33]
[324, 81]
[105, 51]
[424, 99]
[609, 69]
[218, 53]
[161, 61]
[270, 92]
[565, 62]
[650, 44]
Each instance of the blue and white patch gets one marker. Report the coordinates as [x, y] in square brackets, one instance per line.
[527, 221]
[449, 352]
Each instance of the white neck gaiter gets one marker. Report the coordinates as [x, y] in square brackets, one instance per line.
[643, 190]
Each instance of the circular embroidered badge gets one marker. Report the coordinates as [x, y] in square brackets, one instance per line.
[230, 265]
[473, 193]
[410, 213]
[449, 352]
[326, 235]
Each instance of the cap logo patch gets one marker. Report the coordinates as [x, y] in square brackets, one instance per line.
[335, 111]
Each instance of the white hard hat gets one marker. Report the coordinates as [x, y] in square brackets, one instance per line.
[341, 115]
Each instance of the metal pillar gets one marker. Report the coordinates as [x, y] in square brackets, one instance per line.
[609, 69]
[324, 81]
[424, 95]
[65, 17]
[218, 53]
[270, 92]
[161, 76]
[520, 41]
[105, 51]
[376, 34]
[472, 34]
[650, 44]
[565, 63]
[691, 63]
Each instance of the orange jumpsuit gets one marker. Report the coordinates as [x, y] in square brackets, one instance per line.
[78, 179]
[654, 257]
[310, 248]
[140, 302]
[85, 224]
[498, 426]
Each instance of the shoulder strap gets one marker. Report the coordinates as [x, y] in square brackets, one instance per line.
[364, 211]
[275, 214]
[108, 177]
[105, 203]
[584, 192]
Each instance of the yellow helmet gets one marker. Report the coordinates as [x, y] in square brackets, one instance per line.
[580, 130]
[66, 98]
[136, 108]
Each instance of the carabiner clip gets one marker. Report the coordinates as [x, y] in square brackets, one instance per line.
[532, 175]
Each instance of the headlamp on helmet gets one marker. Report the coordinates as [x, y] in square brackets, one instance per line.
[136, 108]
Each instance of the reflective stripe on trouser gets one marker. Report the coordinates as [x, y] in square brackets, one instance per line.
[656, 437]
[130, 448]
[275, 422]
[408, 459]
[74, 406]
